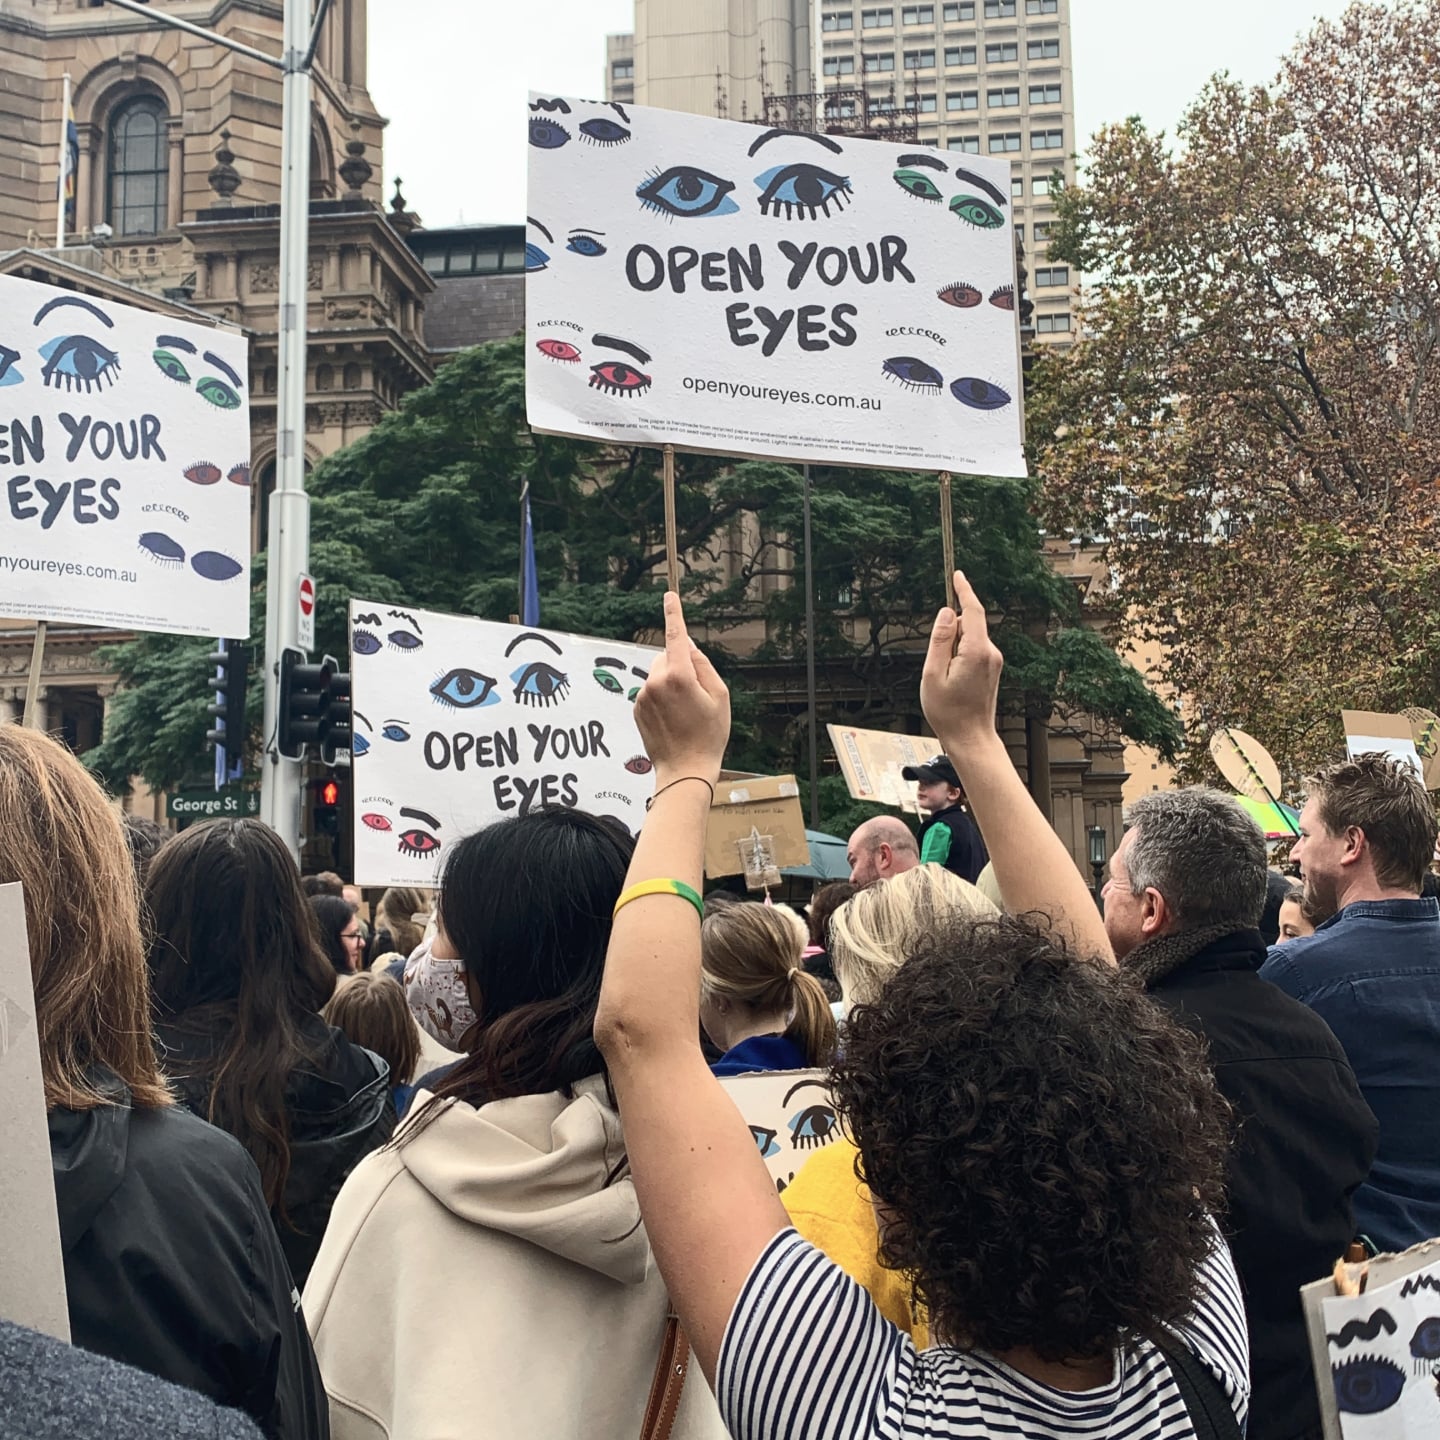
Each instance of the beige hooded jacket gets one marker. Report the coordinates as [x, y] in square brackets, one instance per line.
[481, 1281]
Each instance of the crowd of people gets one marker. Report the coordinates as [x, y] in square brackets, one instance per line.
[469, 1165]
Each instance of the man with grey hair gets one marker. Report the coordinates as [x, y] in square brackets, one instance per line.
[880, 848]
[1182, 909]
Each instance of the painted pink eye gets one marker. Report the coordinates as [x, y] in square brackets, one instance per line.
[374, 821]
[239, 474]
[639, 765]
[202, 472]
[558, 350]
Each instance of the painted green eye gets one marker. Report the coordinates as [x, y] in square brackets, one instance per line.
[171, 365]
[606, 681]
[975, 211]
[218, 393]
[922, 187]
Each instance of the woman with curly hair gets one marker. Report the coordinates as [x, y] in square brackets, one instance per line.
[1044, 1146]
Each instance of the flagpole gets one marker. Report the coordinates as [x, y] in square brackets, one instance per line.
[520, 589]
[64, 164]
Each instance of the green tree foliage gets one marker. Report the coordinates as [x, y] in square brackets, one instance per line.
[423, 511]
[1253, 417]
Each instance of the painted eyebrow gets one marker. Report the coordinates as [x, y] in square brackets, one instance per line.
[367, 619]
[557, 104]
[927, 160]
[613, 664]
[579, 231]
[619, 109]
[991, 190]
[611, 343]
[396, 720]
[60, 300]
[795, 1089]
[359, 716]
[419, 815]
[532, 635]
[531, 220]
[769, 135]
[219, 364]
[406, 615]
[636, 670]
[175, 342]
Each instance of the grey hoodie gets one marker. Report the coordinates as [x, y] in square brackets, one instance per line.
[488, 1275]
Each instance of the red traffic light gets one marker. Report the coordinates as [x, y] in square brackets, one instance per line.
[330, 793]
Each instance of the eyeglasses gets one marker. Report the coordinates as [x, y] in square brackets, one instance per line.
[351, 935]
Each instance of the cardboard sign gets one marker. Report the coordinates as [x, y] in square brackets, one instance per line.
[1367, 731]
[756, 827]
[728, 287]
[32, 1274]
[1375, 1354]
[1425, 731]
[124, 466]
[871, 762]
[461, 722]
[1246, 764]
[790, 1114]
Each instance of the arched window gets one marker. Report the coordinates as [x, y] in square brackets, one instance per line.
[139, 168]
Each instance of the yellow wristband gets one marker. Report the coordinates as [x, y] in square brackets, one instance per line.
[660, 887]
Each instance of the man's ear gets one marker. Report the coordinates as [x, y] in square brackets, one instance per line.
[1154, 913]
[1354, 845]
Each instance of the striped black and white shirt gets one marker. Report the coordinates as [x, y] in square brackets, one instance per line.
[807, 1356]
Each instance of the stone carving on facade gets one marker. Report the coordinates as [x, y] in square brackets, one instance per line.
[264, 279]
[356, 309]
[224, 178]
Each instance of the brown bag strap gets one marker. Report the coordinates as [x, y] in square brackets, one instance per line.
[669, 1381]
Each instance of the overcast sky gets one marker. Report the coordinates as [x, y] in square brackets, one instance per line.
[452, 77]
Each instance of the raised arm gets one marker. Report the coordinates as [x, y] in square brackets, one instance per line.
[958, 691]
[709, 1204]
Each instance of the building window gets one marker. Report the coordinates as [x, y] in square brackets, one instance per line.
[872, 64]
[919, 59]
[838, 20]
[960, 55]
[918, 15]
[1004, 144]
[999, 9]
[876, 19]
[1042, 230]
[1041, 7]
[1017, 185]
[1003, 99]
[1047, 139]
[970, 144]
[1045, 94]
[963, 100]
[1002, 54]
[1052, 324]
[923, 104]
[881, 105]
[623, 70]
[1042, 50]
[1052, 275]
[954, 14]
[839, 109]
[139, 171]
[1040, 185]
[839, 64]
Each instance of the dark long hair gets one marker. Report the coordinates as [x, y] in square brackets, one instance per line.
[236, 950]
[332, 915]
[527, 904]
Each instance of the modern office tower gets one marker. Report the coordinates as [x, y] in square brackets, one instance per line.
[620, 68]
[984, 77]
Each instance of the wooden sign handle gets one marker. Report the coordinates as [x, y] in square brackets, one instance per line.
[672, 553]
[947, 538]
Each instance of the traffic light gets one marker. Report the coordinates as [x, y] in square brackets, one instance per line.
[327, 806]
[228, 707]
[314, 707]
[335, 729]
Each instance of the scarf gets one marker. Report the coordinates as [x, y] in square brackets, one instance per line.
[1162, 956]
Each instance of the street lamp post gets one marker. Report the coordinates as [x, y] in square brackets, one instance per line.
[288, 537]
[1098, 857]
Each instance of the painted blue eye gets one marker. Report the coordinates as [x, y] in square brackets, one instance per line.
[162, 549]
[547, 134]
[540, 683]
[213, 565]
[979, 394]
[404, 640]
[359, 745]
[1367, 1384]
[9, 375]
[394, 732]
[365, 642]
[603, 132]
[800, 189]
[464, 689]
[535, 259]
[585, 245]
[813, 1127]
[687, 191]
[765, 1139]
[913, 374]
[76, 362]
[1425, 1342]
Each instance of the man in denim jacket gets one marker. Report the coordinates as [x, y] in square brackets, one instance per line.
[1372, 972]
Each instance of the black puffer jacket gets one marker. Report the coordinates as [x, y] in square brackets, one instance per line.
[172, 1265]
[1305, 1141]
[339, 1111]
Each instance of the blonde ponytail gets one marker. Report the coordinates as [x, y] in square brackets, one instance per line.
[813, 1028]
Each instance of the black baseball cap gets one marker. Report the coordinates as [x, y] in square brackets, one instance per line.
[938, 767]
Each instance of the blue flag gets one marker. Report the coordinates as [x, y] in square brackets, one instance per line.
[529, 580]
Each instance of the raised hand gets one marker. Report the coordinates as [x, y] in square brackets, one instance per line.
[961, 678]
[683, 709]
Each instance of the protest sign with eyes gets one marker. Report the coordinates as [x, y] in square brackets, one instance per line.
[461, 722]
[722, 286]
[124, 466]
